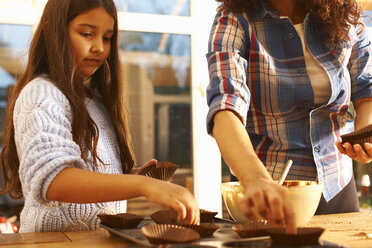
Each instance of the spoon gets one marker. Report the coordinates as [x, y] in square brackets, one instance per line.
[285, 171]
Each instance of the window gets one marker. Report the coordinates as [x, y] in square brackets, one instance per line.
[14, 41]
[160, 7]
[163, 45]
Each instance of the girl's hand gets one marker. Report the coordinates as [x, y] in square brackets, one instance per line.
[356, 152]
[173, 196]
[136, 169]
[264, 199]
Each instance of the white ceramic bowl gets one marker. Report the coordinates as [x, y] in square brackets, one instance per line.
[305, 196]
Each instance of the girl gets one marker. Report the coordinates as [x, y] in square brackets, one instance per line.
[282, 77]
[67, 148]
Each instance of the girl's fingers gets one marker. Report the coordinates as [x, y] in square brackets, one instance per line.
[191, 214]
[180, 209]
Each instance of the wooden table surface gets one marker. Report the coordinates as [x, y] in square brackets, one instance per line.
[349, 230]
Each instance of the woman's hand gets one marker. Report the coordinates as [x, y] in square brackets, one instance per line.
[268, 200]
[136, 169]
[356, 151]
[173, 196]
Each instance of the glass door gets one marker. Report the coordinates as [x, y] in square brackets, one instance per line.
[162, 46]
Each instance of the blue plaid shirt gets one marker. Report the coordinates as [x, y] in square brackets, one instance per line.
[257, 69]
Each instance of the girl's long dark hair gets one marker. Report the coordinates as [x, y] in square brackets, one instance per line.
[333, 17]
[50, 53]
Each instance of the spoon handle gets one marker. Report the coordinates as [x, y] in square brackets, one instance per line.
[285, 172]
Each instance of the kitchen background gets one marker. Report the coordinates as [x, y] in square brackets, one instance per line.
[163, 47]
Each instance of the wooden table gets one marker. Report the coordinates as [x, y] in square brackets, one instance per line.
[349, 229]
[345, 229]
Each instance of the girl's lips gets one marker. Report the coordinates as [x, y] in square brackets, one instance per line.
[93, 60]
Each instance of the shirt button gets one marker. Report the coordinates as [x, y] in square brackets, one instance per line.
[307, 104]
[291, 35]
[317, 149]
[301, 70]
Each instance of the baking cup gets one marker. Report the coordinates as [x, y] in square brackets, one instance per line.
[124, 220]
[162, 170]
[204, 229]
[165, 216]
[252, 229]
[168, 234]
[304, 236]
[206, 216]
[361, 136]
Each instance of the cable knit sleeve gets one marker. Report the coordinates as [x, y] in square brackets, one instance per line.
[42, 124]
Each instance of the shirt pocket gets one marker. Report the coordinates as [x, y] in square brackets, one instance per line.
[275, 95]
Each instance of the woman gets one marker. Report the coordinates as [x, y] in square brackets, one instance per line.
[283, 75]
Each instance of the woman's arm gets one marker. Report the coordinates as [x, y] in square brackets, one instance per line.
[76, 185]
[363, 110]
[270, 200]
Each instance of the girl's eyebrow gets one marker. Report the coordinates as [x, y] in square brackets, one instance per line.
[94, 27]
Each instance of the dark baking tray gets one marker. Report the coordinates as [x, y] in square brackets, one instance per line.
[135, 235]
[223, 237]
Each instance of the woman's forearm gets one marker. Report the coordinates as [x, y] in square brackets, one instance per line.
[363, 110]
[75, 185]
[236, 148]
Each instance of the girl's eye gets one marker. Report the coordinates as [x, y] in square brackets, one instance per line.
[107, 38]
[85, 34]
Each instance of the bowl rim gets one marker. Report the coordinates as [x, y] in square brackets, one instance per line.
[315, 185]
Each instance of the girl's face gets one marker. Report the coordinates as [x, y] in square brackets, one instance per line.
[90, 36]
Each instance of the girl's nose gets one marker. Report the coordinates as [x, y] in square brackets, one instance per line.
[98, 46]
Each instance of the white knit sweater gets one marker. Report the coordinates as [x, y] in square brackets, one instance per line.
[42, 124]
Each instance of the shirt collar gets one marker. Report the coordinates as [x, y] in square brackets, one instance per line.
[264, 8]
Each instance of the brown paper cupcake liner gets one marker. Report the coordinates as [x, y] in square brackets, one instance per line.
[165, 216]
[124, 220]
[204, 229]
[162, 170]
[206, 215]
[305, 236]
[168, 234]
[361, 136]
[252, 229]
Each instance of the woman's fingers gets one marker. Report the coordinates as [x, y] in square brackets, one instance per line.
[350, 150]
[361, 155]
[271, 202]
[368, 147]
[356, 151]
[340, 147]
[275, 206]
[289, 217]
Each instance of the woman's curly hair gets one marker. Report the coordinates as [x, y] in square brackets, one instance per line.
[332, 16]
